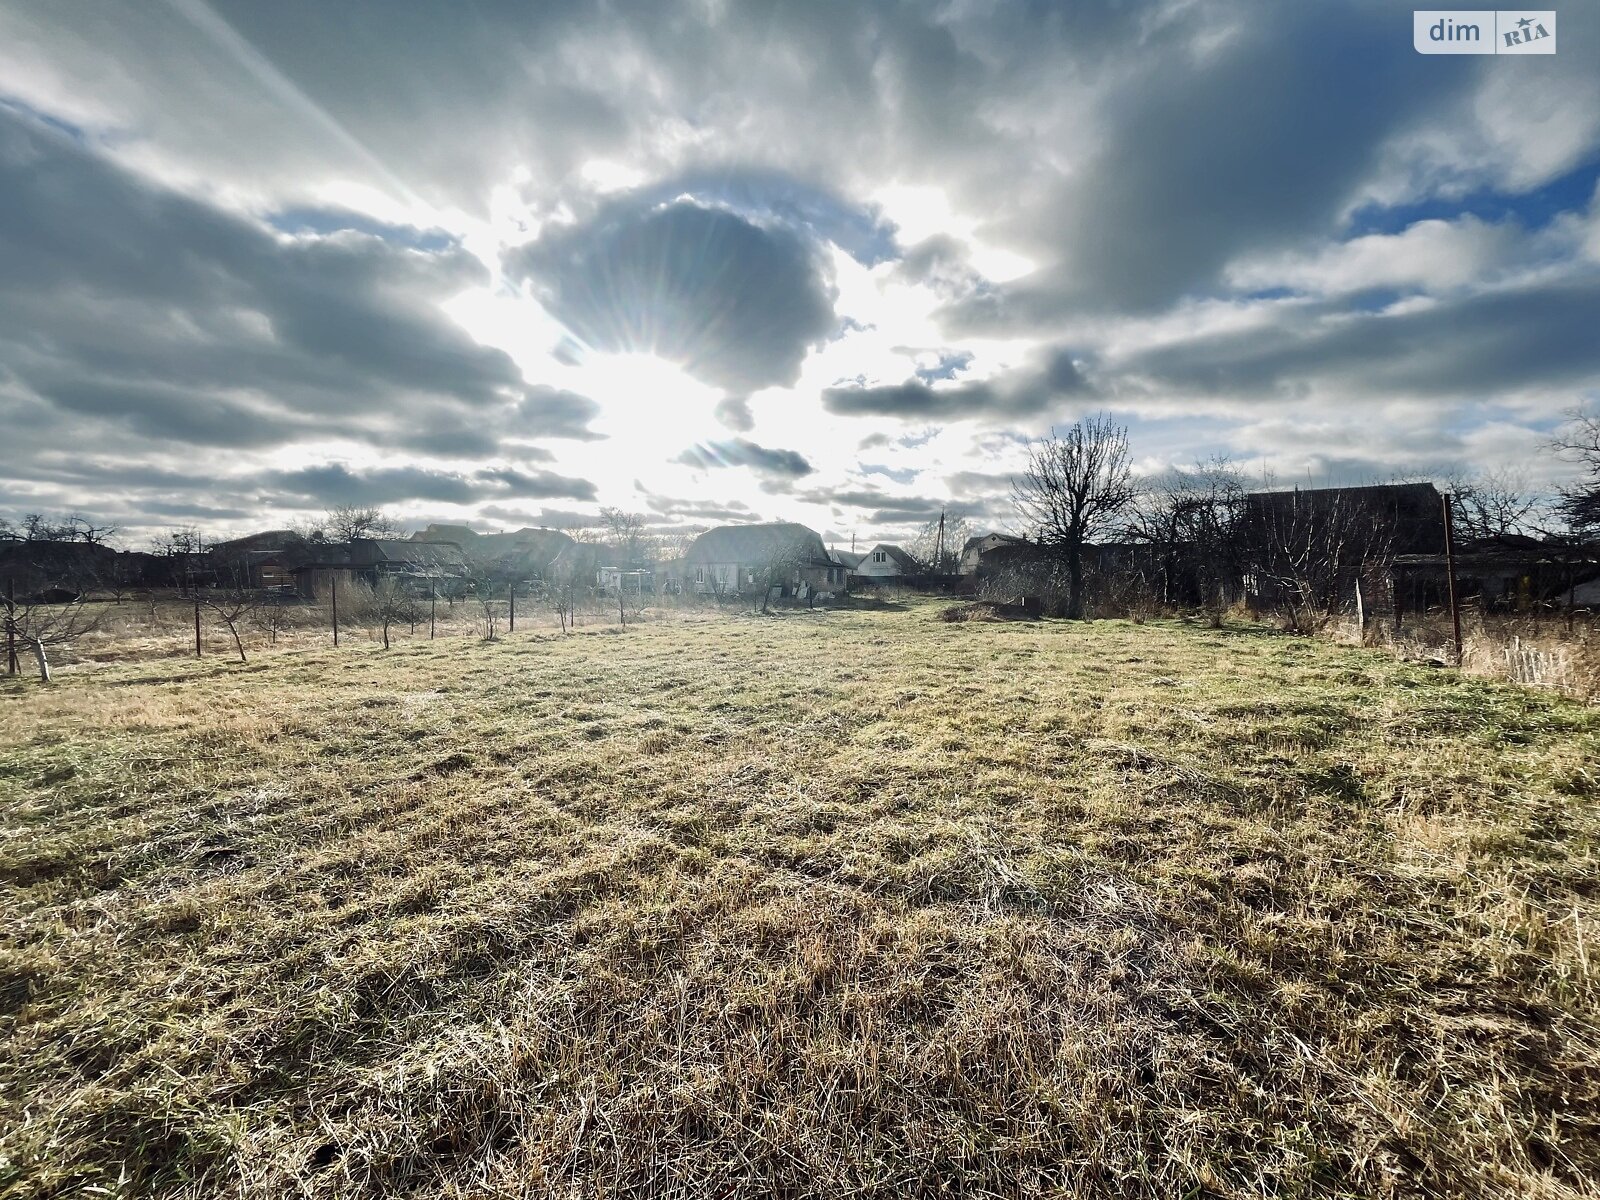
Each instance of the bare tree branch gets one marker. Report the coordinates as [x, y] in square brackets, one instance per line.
[1076, 487]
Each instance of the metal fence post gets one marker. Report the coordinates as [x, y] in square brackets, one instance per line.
[1450, 570]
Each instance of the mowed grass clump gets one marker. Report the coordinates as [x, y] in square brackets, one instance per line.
[804, 905]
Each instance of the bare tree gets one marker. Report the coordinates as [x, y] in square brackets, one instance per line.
[1302, 549]
[1579, 442]
[183, 547]
[675, 543]
[1190, 520]
[624, 533]
[347, 522]
[393, 605]
[271, 617]
[1495, 504]
[36, 527]
[776, 567]
[937, 550]
[41, 627]
[483, 594]
[1076, 486]
[232, 605]
[79, 528]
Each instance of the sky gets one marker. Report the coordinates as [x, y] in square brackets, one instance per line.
[503, 263]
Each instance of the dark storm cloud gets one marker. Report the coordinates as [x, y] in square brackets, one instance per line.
[735, 303]
[885, 507]
[1537, 335]
[700, 510]
[142, 310]
[773, 198]
[544, 518]
[741, 452]
[966, 483]
[335, 483]
[1019, 393]
[554, 413]
[1261, 141]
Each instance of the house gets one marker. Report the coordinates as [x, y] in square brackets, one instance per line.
[886, 561]
[521, 554]
[781, 555]
[629, 580]
[1000, 554]
[1512, 573]
[975, 548]
[268, 570]
[1331, 539]
[1409, 516]
[422, 568]
[73, 567]
[848, 559]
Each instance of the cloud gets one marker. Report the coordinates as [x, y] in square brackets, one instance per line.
[1537, 335]
[147, 310]
[734, 412]
[224, 249]
[550, 412]
[1020, 393]
[336, 483]
[736, 304]
[741, 452]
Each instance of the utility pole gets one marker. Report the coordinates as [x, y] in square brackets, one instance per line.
[511, 593]
[197, 623]
[333, 592]
[1450, 571]
[938, 554]
[433, 608]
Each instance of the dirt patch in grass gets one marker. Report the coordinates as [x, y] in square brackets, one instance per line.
[812, 905]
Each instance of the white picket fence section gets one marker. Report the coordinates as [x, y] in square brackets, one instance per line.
[1540, 668]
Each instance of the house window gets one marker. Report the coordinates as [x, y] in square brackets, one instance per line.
[879, 556]
[699, 574]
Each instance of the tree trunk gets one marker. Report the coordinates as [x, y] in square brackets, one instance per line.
[1075, 582]
[44, 663]
[237, 643]
[386, 635]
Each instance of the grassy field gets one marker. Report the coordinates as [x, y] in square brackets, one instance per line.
[820, 905]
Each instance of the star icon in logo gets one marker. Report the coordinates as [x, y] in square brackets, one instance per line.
[1525, 22]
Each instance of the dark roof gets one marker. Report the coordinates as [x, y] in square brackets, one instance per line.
[758, 544]
[1406, 495]
[846, 558]
[461, 534]
[1416, 510]
[273, 540]
[439, 554]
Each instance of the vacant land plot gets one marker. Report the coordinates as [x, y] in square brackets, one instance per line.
[808, 905]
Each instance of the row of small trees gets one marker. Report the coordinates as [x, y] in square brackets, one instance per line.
[1200, 535]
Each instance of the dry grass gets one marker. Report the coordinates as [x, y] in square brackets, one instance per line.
[802, 905]
[1543, 652]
